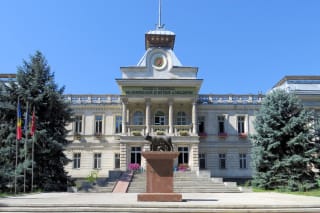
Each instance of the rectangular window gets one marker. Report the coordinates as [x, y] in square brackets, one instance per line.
[97, 161]
[201, 122]
[241, 124]
[76, 160]
[98, 125]
[78, 124]
[222, 161]
[118, 124]
[117, 160]
[243, 160]
[221, 120]
[202, 160]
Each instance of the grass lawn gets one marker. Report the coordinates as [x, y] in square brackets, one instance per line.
[315, 192]
[2, 195]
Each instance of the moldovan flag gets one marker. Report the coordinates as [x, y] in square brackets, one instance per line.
[33, 123]
[19, 122]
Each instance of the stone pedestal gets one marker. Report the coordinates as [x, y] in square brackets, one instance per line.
[160, 177]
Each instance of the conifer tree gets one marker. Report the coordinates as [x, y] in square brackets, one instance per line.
[284, 152]
[35, 85]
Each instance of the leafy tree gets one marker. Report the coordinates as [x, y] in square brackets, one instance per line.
[35, 85]
[284, 152]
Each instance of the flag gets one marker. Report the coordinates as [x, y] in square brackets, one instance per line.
[33, 123]
[19, 122]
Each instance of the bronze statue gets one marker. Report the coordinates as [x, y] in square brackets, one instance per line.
[162, 143]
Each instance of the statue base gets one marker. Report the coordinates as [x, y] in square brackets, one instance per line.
[160, 177]
[160, 197]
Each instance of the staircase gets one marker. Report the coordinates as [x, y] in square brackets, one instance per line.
[103, 185]
[186, 182]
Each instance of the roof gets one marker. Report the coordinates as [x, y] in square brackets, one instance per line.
[296, 77]
[7, 75]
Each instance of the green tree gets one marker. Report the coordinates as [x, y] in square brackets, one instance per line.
[35, 85]
[284, 152]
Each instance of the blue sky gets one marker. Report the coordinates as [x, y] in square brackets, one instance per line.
[240, 46]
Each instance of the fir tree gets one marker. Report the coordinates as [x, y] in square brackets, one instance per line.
[35, 85]
[284, 152]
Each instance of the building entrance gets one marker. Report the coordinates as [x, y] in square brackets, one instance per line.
[136, 155]
[183, 155]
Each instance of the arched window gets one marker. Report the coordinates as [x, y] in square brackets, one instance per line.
[181, 118]
[138, 118]
[159, 118]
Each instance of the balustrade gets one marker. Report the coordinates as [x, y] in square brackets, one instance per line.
[92, 99]
[230, 99]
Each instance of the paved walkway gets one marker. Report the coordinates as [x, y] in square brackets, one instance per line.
[123, 183]
[193, 202]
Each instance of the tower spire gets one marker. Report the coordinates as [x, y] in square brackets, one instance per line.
[159, 26]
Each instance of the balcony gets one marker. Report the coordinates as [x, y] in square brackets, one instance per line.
[159, 129]
[182, 130]
[178, 130]
[136, 130]
[230, 99]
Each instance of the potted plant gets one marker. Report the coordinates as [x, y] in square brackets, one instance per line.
[222, 135]
[183, 167]
[243, 135]
[203, 134]
[134, 167]
[136, 133]
[160, 132]
[183, 133]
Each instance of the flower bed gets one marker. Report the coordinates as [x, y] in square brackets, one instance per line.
[134, 167]
[183, 167]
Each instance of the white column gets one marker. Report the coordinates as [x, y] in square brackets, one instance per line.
[124, 116]
[170, 117]
[194, 118]
[123, 156]
[148, 106]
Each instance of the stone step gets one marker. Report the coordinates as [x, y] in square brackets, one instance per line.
[186, 182]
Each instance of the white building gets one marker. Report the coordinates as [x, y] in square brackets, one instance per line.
[159, 96]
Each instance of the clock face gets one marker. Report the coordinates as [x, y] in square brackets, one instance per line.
[159, 61]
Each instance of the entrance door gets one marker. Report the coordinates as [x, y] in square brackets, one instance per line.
[135, 155]
[184, 155]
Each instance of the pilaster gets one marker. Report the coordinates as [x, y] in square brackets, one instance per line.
[148, 111]
[170, 102]
[194, 117]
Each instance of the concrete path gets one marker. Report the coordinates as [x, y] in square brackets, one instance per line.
[123, 183]
[127, 202]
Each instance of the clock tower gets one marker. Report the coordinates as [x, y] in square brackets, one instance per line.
[159, 97]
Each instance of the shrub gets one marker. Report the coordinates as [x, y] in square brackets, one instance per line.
[159, 132]
[136, 133]
[184, 133]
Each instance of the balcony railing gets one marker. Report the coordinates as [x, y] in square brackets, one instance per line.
[230, 99]
[136, 130]
[159, 129]
[92, 99]
[182, 130]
